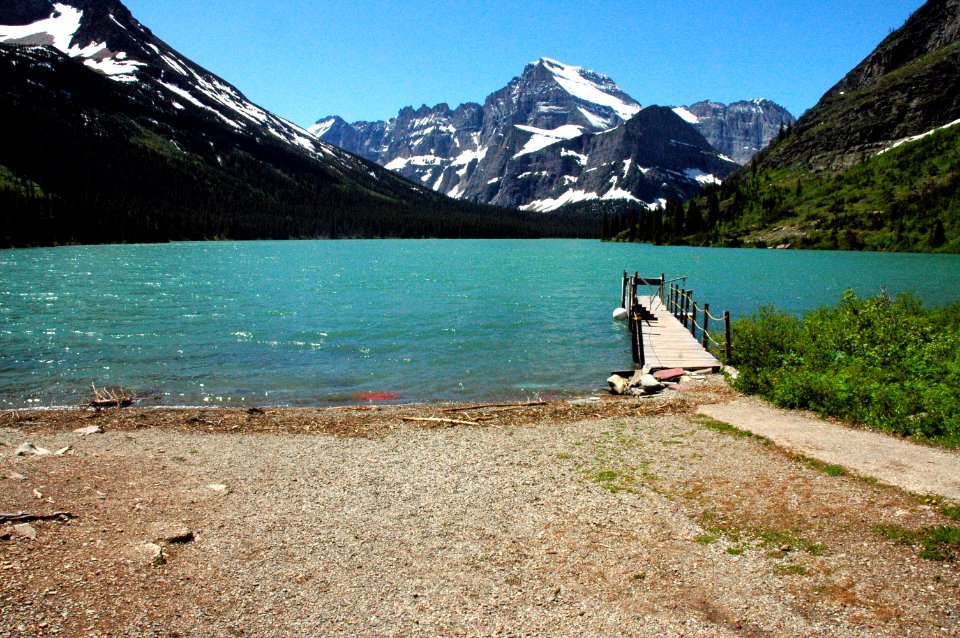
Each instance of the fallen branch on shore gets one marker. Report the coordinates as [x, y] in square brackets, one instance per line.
[438, 420]
[508, 406]
[110, 398]
[26, 518]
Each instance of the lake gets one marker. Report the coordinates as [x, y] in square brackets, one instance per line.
[320, 322]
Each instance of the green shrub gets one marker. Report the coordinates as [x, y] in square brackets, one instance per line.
[887, 363]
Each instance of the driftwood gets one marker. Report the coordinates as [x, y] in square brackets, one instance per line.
[508, 406]
[436, 420]
[110, 398]
[26, 518]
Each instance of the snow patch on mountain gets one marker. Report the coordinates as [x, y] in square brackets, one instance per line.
[619, 193]
[580, 157]
[914, 138]
[568, 197]
[686, 115]
[418, 160]
[58, 29]
[589, 86]
[705, 179]
[543, 138]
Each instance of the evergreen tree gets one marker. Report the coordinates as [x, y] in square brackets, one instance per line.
[937, 235]
[694, 220]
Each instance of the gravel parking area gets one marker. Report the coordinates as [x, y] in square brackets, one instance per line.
[617, 518]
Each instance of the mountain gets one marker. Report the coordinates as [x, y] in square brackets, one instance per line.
[874, 165]
[531, 144]
[908, 85]
[653, 157]
[739, 130]
[111, 135]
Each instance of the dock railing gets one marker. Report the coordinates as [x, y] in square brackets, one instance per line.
[696, 317]
[679, 301]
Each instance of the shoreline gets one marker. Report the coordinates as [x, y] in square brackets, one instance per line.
[366, 420]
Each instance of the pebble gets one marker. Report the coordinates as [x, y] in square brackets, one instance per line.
[172, 533]
[90, 429]
[25, 530]
[153, 554]
[29, 448]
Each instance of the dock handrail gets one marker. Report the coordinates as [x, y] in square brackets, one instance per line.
[677, 301]
[682, 305]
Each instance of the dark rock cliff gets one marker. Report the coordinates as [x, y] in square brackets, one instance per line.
[908, 85]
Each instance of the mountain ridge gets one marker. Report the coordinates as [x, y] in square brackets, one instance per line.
[477, 152]
[873, 165]
[111, 135]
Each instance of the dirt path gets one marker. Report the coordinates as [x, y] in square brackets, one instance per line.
[917, 468]
[626, 517]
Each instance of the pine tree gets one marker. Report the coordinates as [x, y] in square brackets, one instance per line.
[694, 221]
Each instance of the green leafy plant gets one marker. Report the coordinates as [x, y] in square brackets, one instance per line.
[888, 363]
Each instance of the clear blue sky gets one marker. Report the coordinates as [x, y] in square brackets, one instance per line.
[365, 59]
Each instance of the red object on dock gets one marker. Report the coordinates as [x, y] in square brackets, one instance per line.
[376, 396]
[672, 374]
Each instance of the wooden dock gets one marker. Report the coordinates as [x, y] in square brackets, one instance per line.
[664, 323]
[667, 344]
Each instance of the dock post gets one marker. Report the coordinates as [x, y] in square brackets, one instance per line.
[693, 321]
[681, 310]
[687, 302]
[706, 322]
[641, 358]
[623, 291]
[726, 330]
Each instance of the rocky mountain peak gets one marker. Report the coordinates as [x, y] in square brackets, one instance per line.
[738, 130]
[931, 27]
[559, 134]
[908, 86]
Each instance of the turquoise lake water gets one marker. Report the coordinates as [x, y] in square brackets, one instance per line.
[317, 322]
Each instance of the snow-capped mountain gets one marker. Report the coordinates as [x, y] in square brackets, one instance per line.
[484, 153]
[652, 157]
[127, 140]
[739, 130]
[109, 40]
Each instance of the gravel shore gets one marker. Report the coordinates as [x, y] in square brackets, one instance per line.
[620, 517]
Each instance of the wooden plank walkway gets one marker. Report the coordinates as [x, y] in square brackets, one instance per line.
[667, 344]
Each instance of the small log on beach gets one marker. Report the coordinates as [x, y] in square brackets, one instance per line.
[20, 517]
[437, 420]
[110, 398]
